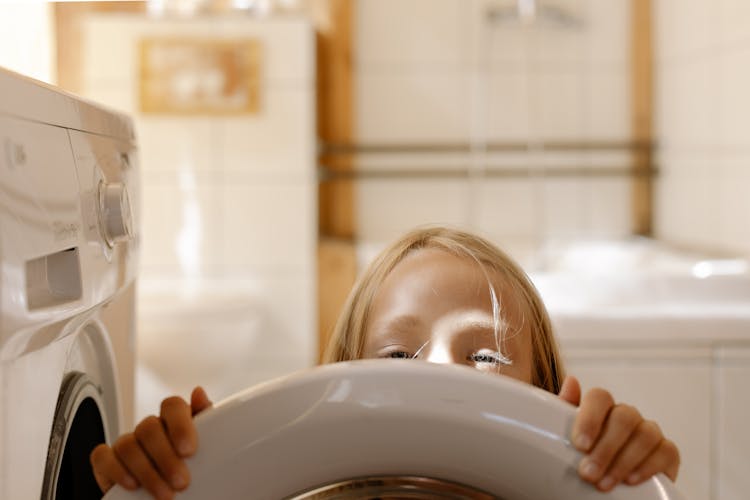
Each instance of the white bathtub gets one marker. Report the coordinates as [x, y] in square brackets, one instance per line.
[639, 289]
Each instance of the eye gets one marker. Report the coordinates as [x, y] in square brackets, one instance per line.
[398, 355]
[493, 358]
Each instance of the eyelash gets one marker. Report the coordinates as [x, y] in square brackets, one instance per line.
[492, 358]
[398, 355]
[488, 357]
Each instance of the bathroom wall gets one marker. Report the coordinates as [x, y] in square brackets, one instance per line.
[27, 39]
[702, 64]
[228, 210]
[457, 76]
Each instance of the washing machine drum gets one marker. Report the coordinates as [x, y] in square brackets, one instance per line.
[392, 429]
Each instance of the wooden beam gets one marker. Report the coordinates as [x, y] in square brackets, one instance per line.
[337, 267]
[335, 90]
[641, 85]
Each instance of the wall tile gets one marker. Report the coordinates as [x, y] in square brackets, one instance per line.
[437, 40]
[608, 207]
[508, 208]
[607, 26]
[181, 230]
[563, 207]
[413, 107]
[268, 229]
[388, 208]
[170, 144]
[276, 144]
[606, 109]
[686, 29]
[557, 99]
[508, 106]
[733, 98]
[734, 22]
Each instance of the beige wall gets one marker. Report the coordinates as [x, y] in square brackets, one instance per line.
[27, 39]
[703, 123]
[436, 71]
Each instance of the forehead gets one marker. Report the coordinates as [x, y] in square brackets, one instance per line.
[434, 281]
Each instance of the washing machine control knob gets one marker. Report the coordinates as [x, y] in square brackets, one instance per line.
[115, 215]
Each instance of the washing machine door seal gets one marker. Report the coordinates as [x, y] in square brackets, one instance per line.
[413, 428]
[78, 427]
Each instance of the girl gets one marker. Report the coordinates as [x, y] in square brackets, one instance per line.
[444, 296]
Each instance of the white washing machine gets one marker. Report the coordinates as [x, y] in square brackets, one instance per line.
[68, 258]
[390, 429]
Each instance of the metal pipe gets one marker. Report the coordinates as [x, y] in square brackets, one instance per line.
[363, 173]
[332, 149]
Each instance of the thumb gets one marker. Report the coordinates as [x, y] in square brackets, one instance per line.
[571, 391]
[199, 400]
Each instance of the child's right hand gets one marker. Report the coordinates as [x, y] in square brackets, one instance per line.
[152, 455]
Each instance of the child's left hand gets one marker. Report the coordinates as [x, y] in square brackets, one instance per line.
[620, 445]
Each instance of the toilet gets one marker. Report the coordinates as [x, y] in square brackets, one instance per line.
[392, 429]
[68, 257]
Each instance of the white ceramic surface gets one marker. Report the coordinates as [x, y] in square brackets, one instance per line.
[389, 417]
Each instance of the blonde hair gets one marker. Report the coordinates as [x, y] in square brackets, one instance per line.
[348, 337]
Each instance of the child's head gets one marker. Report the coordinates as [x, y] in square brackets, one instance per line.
[449, 296]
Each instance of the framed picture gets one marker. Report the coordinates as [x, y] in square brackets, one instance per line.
[199, 76]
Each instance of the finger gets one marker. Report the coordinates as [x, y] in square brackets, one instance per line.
[152, 437]
[108, 470]
[199, 400]
[622, 421]
[130, 453]
[666, 459]
[593, 411]
[641, 444]
[570, 391]
[178, 418]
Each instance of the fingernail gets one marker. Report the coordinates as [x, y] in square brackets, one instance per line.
[589, 469]
[607, 483]
[582, 442]
[163, 492]
[178, 481]
[129, 482]
[634, 478]
[184, 448]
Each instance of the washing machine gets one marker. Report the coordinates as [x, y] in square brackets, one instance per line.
[392, 429]
[68, 259]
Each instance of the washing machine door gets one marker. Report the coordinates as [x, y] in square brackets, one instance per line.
[392, 429]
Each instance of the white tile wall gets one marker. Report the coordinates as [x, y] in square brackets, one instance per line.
[27, 40]
[180, 234]
[427, 106]
[703, 115]
[268, 229]
[275, 145]
[229, 213]
[508, 208]
[388, 208]
[442, 72]
[440, 40]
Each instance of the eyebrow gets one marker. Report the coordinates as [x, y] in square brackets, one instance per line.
[400, 324]
[462, 320]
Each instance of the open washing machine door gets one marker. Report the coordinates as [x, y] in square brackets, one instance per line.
[392, 429]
